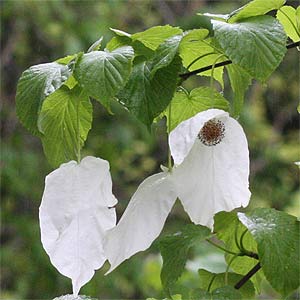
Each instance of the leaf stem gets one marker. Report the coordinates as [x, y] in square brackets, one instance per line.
[221, 248]
[255, 269]
[211, 282]
[198, 58]
[185, 76]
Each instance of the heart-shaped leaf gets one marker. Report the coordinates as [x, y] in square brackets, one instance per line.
[257, 44]
[102, 74]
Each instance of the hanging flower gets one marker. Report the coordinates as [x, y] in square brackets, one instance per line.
[211, 172]
[75, 213]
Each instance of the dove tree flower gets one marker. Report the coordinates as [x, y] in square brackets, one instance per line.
[75, 213]
[210, 174]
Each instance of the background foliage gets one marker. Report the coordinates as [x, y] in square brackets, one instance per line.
[35, 32]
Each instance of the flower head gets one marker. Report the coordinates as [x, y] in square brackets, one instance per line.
[211, 158]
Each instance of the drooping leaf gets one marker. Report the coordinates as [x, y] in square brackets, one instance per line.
[154, 36]
[278, 244]
[198, 51]
[174, 250]
[75, 214]
[165, 54]
[255, 8]
[102, 74]
[287, 16]
[147, 97]
[35, 84]
[65, 120]
[257, 44]
[185, 105]
[232, 232]
[216, 281]
[239, 80]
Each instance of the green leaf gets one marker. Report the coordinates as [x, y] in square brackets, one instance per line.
[298, 18]
[226, 293]
[117, 42]
[257, 44]
[174, 250]
[199, 294]
[231, 231]
[102, 74]
[205, 22]
[65, 120]
[255, 8]
[216, 281]
[277, 237]
[96, 46]
[154, 36]
[147, 97]
[185, 105]
[165, 53]
[239, 80]
[288, 18]
[67, 59]
[198, 51]
[35, 84]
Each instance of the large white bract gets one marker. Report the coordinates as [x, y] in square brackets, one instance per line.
[75, 213]
[211, 171]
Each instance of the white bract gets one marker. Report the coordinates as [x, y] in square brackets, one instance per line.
[211, 171]
[75, 213]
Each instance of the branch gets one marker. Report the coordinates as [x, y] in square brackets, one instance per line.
[187, 75]
[255, 269]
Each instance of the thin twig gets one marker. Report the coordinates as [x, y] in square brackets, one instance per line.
[255, 269]
[187, 75]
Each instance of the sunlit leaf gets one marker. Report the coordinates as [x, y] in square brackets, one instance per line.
[288, 18]
[185, 105]
[255, 8]
[154, 36]
[198, 51]
[218, 280]
[65, 121]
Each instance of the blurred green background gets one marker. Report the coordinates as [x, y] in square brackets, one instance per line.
[34, 32]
